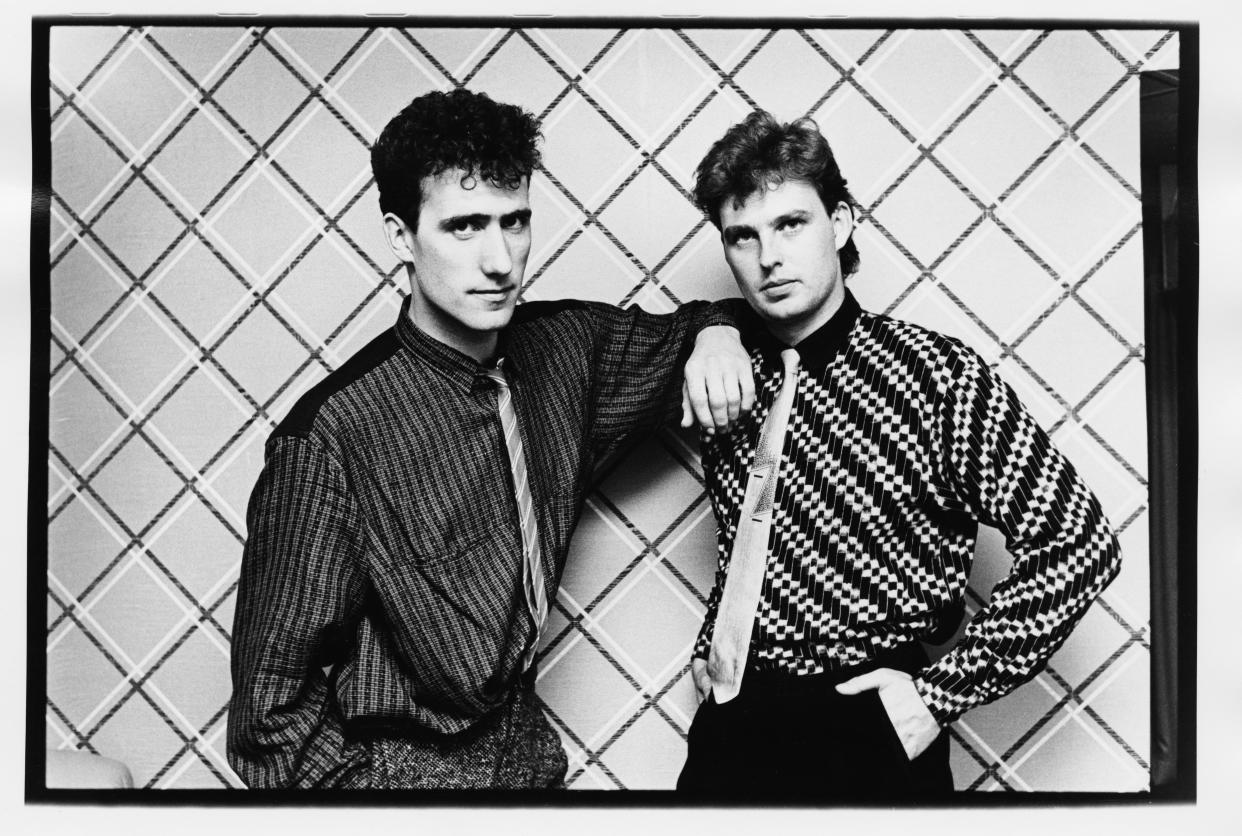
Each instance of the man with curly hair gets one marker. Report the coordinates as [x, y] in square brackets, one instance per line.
[848, 504]
[411, 522]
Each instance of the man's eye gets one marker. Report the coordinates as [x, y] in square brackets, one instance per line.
[516, 224]
[792, 224]
[463, 227]
[738, 239]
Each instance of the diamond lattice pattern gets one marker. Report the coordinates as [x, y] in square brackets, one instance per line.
[215, 250]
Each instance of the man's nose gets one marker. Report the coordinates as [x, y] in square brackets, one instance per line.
[769, 253]
[495, 258]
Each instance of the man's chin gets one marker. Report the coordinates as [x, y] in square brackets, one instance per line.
[492, 320]
[784, 312]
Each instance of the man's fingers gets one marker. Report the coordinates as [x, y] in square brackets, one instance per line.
[687, 417]
[864, 682]
[747, 381]
[718, 402]
[696, 393]
[702, 682]
[733, 398]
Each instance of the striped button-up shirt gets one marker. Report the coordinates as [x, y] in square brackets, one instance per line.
[381, 582]
[900, 442]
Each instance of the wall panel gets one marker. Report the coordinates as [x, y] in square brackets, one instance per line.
[215, 250]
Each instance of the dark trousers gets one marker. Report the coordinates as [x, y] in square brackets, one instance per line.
[788, 736]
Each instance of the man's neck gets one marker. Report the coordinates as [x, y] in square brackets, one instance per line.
[792, 333]
[478, 345]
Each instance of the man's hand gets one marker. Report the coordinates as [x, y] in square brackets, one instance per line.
[719, 385]
[915, 725]
[702, 682]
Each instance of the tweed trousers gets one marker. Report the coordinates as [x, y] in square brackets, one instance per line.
[513, 747]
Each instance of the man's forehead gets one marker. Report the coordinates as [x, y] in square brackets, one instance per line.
[455, 191]
[773, 198]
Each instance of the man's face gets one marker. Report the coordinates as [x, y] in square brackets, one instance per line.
[782, 245]
[467, 258]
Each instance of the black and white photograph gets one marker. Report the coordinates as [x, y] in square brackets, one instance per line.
[714, 413]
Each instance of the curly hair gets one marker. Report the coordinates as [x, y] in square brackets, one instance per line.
[460, 129]
[760, 152]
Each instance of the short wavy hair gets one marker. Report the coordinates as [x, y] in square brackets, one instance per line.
[760, 152]
[461, 129]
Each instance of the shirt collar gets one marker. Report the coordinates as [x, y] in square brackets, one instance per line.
[818, 348]
[458, 368]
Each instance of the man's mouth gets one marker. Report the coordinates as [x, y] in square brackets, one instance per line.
[774, 284]
[494, 292]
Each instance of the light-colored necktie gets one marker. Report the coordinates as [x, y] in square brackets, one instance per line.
[532, 563]
[735, 617]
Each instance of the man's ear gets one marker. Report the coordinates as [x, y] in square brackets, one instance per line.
[399, 237]
[842, 224]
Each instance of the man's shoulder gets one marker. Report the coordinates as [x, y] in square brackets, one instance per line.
[930, 343]
[554, 325]
[554, 312]
[301, 418]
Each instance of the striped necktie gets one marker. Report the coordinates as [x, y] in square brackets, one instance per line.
[532, 563]
[735, 618]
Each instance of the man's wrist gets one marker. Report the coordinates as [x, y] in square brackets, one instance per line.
[939, 703]
[722, 312]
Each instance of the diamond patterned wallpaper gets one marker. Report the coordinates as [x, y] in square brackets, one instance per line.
[215, 250]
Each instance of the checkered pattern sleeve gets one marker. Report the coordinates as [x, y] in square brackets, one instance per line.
[639, 363]
[298, 600]
[1006, 470]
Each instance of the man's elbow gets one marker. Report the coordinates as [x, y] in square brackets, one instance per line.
[1103, 559]
[258, 767]
[253, 752]
[1111, 560]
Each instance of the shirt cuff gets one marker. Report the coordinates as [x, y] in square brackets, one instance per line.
[703, 646]
[722, 312]
[945, 702]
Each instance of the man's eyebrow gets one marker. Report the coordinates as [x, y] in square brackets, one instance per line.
[732, 231]
[517, 215]
[792, 214]
[473, 219]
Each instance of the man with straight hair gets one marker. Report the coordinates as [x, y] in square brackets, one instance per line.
[848, 504]
[410, 526]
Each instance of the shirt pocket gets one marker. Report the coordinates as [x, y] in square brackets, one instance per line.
[443, 544]
[425, 522]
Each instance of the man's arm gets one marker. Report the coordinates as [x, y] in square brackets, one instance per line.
[1006, 469]
[1064, 551]
[298, 600]
[641, 358]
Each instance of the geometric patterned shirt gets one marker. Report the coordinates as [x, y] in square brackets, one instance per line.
[381, 582]
[900, 442]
